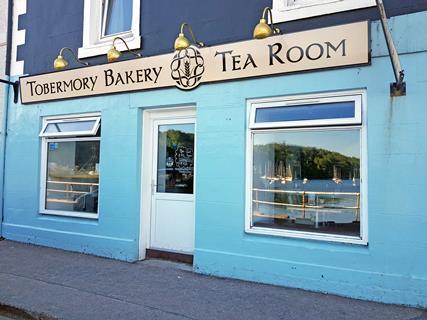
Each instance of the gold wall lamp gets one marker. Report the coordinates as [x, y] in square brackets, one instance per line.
[182, 42]
[61, 63]
[113, 54]
[262, 29]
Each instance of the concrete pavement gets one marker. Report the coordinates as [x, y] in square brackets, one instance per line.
[69, 285]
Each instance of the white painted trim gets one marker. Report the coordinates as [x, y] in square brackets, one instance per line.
[71, 214]
[282, 11]
[363, 239]
[93, 43]
[18, 37]
[149, 117]
[102, 48]
[43, 168]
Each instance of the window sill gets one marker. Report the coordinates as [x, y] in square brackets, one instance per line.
[282, 13]
[70, 214]
[102, 48]
[307, 236]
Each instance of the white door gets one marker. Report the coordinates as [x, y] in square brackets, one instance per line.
[172, 184]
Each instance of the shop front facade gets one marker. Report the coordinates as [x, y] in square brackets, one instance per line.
[303, 172]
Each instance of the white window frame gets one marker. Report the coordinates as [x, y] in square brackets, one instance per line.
[357, 119]
[284, 11]
[358, 95]
[70, 133]
[94, 44]
[43, 168]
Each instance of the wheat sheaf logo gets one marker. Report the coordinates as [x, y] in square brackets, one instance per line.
[187, 68]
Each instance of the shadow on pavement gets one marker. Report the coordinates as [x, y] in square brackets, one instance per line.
[12, 313]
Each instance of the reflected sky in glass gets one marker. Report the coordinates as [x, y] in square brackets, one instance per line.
[185, 128]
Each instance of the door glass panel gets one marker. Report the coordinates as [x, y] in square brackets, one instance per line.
[175, 158]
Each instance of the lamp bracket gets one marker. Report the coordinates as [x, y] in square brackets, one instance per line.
[190, 30]
[61, 53]
[397, 88]
[136, 54]
[15, 86]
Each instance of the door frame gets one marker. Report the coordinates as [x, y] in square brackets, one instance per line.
[150, 116]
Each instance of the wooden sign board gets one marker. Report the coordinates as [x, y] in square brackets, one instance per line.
[337, 46]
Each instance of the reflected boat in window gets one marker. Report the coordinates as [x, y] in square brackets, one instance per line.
[307, 180]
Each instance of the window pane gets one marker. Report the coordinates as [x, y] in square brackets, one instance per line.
[118, 16]
[76, 126]
[335, 110]
[175, 166]
[72, 176]
[307, 181]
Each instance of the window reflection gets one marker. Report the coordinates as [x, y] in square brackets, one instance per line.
[72, 126]
[72, 176]
[307, 180]
[175, 164]
[332, 110]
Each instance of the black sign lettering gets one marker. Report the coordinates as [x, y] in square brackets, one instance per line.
[52, 87]
[331, 46]
[139, 75]
[236, 62]
[93, 81]
[39, 89]
[300, 54]
[85, 83]
[147, 74]
[129, 77]
[274, 55]
[119, 78]
[67, 85]
[109, 79]
[249, 61]
[224, 62]
[309, 51]
[157, 73]
[31, 86]
[79, 83]
[58, 86]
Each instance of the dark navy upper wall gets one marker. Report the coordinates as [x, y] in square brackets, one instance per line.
[53, 24]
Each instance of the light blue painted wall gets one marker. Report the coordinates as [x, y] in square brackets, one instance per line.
[115, 234]
[391, 269]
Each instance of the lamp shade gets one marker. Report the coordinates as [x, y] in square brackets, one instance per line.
[262, 30]
[113, 54]
[181, 42]
[60, 63]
